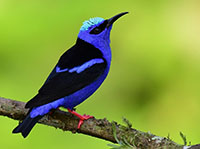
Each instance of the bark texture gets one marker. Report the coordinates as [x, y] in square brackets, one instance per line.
[100, 128]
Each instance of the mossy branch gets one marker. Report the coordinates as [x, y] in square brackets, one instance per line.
[125, 136]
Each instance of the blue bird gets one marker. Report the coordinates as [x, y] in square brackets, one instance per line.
[77, 75]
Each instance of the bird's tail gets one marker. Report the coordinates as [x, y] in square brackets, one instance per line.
[25, 127]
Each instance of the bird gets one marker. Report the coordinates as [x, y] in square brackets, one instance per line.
[79, 72]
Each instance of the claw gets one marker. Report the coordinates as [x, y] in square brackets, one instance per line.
[82, 117]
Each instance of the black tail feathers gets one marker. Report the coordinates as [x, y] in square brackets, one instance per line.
[25, 127]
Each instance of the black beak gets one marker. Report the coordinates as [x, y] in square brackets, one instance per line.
[113, 19]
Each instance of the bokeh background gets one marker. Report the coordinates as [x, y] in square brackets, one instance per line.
[154, 80]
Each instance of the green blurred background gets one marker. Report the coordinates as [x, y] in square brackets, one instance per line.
[154, 79]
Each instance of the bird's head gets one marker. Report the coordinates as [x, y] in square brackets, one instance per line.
[96, 31]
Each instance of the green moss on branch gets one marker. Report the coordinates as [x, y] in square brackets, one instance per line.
[100, 128]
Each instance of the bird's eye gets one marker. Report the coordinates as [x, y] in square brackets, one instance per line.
[96, 30]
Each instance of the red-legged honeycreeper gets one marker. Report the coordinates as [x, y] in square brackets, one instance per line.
[77, 75]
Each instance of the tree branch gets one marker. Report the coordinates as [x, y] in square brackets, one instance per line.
[100, 128]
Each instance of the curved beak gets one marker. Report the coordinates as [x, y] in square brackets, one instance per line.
[113, 19]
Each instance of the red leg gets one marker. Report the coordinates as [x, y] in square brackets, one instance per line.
[82, 117]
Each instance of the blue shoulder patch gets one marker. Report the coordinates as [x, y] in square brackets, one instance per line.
[86, 65]
[92, 21]
[81, 68]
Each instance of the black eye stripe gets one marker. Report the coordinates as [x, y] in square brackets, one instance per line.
[103, 25]
[99, 28]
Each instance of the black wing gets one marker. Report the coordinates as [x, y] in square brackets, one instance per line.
[80, 53]
[59, 85]
[64, 84]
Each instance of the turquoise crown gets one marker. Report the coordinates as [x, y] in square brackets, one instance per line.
[92, 21]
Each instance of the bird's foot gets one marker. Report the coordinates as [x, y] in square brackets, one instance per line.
[82, 117]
